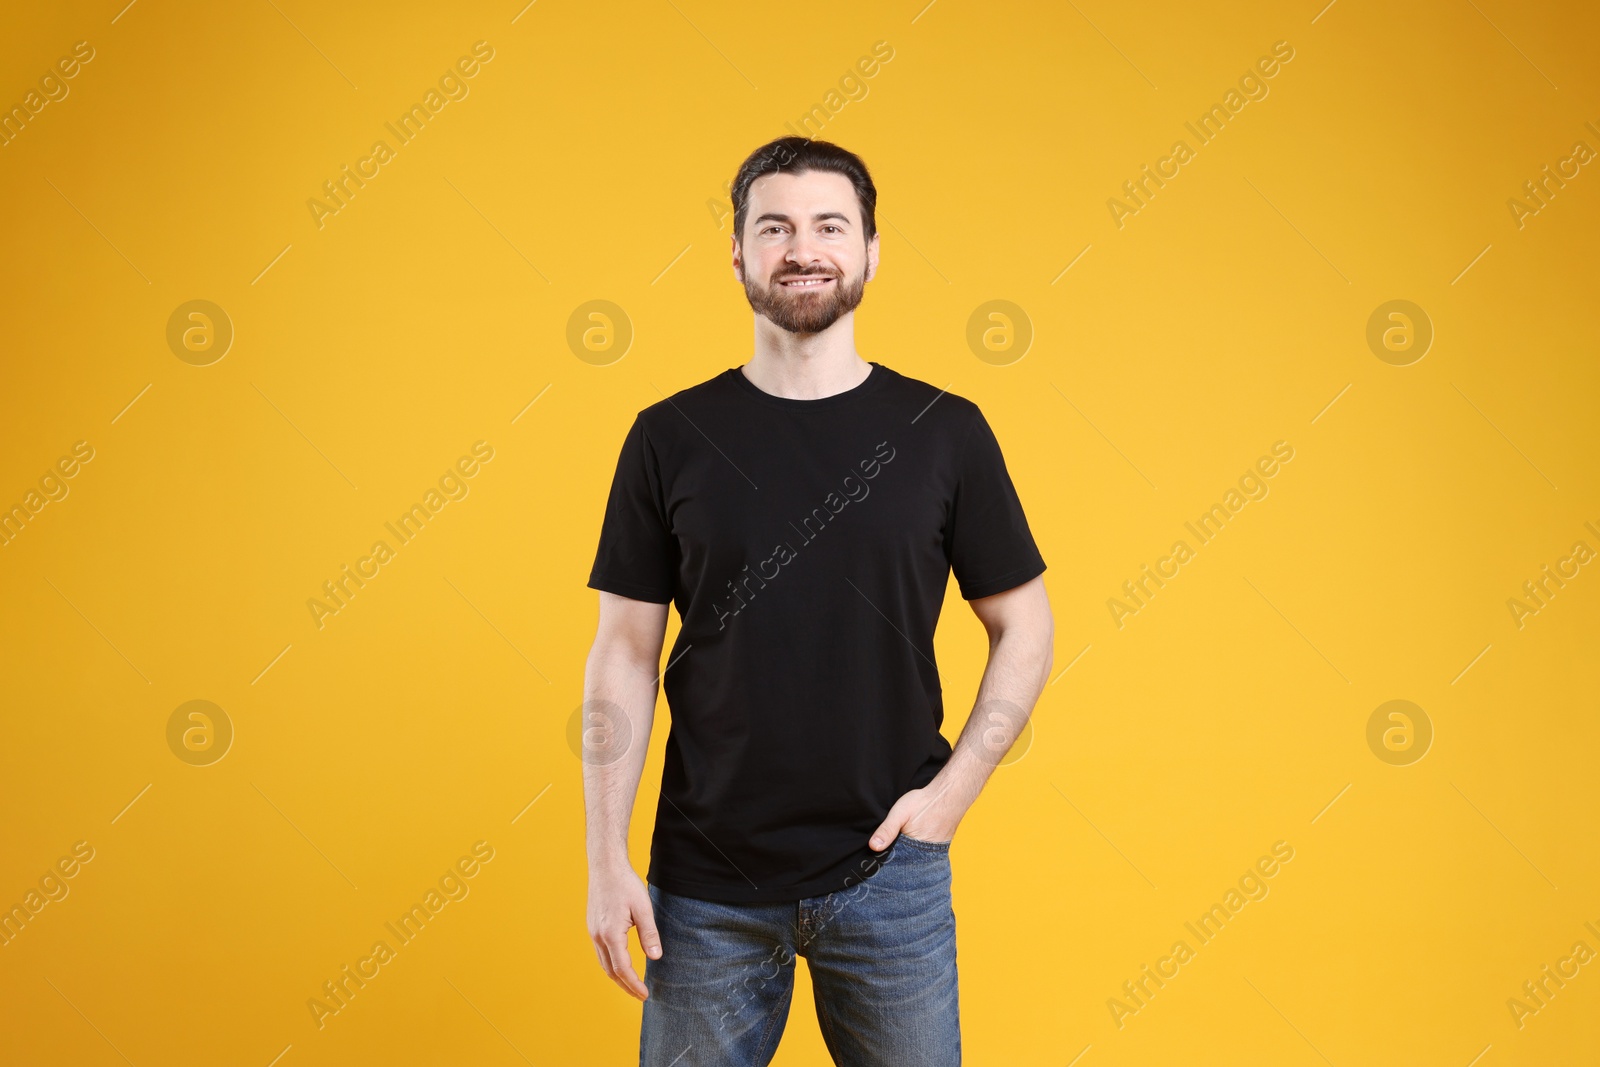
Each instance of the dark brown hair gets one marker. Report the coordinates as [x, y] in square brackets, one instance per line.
[796, 155]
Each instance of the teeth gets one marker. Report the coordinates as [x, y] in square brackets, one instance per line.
[805, 284]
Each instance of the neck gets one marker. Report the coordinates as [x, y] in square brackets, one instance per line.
[806, 366]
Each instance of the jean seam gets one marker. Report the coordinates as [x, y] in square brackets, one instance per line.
[931, 846]
[766, 1033]
[803, 932]
[825, 1017]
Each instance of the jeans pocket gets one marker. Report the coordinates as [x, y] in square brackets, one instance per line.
[925, 846]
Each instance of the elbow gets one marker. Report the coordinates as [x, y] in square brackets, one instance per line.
[620, 659]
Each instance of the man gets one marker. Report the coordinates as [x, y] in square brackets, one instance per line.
[804, 512]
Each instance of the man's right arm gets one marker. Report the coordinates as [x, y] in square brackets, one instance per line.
[619, 704]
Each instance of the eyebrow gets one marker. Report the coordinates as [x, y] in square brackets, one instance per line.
[773, 216]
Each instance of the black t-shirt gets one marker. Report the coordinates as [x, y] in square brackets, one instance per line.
[808, 545]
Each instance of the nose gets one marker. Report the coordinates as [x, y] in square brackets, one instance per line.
[801, 253]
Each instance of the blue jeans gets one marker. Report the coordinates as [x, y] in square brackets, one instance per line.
[882, 955]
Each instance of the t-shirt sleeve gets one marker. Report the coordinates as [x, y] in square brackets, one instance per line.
[987, 539]
[638, 555]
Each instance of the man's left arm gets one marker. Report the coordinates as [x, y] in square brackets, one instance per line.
[1021, 634]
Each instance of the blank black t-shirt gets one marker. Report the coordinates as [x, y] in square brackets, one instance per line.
[808, 545]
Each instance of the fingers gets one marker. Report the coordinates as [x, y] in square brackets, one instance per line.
[604, 954]
[618, 965]
[644, 918]
[615, 904]
[889, 829]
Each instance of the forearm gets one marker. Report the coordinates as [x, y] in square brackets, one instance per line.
[1019, 664]
[619, 699]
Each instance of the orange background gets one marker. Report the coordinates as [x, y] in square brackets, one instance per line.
[587, 161]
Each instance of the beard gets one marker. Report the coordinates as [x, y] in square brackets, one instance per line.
[806, 310]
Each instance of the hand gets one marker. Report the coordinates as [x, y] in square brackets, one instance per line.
[925, 814]
[617, 900]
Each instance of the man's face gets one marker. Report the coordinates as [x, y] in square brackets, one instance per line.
[803, 261]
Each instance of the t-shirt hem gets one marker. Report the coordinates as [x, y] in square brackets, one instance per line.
[722, 894]
[628, 589]
[1011, 580]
